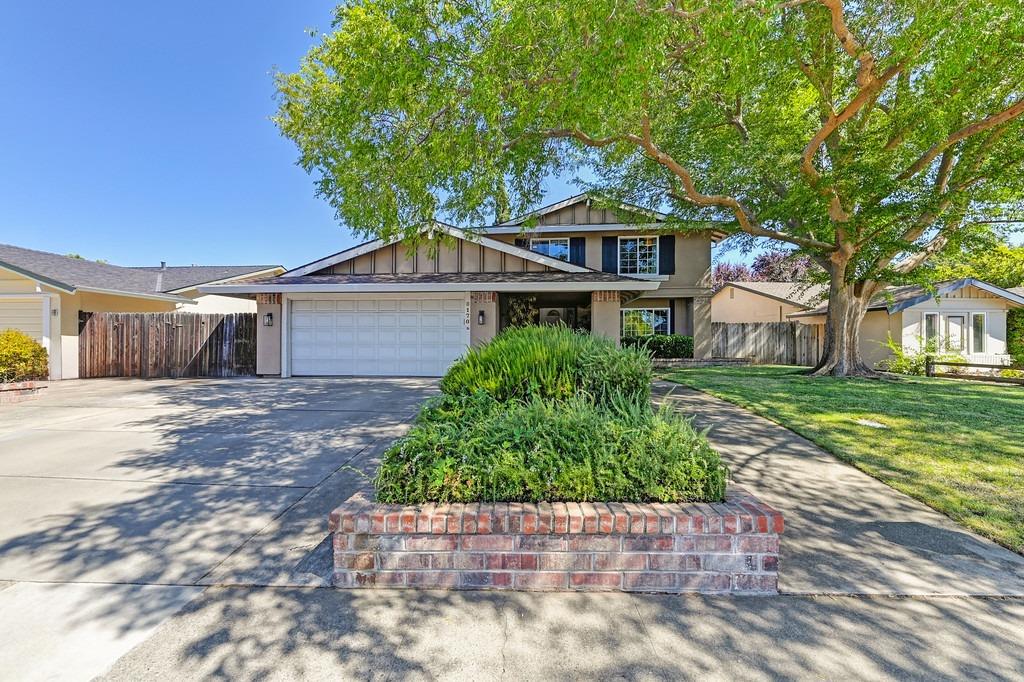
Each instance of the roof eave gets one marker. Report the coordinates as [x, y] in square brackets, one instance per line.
[66, 288]
[155, 296]
[623, 285]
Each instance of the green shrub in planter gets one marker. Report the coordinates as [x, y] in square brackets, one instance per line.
[470, 448]
[662, 345]
[551, 362]
[22, 358]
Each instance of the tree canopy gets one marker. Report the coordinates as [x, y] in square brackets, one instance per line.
[999, 264]
[870, 135]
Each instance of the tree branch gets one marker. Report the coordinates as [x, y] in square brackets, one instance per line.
[986, 123]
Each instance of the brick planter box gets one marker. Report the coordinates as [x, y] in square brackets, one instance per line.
[18, 391]
[731, 547]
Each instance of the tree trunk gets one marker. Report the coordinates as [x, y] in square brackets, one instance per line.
[847, 304]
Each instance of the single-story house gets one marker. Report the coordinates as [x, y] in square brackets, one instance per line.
[46, 294]
[965, 316]
[764, 301]
[383, 308]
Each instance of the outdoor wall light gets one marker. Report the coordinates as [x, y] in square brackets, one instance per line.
[480, 319]
[268, 320]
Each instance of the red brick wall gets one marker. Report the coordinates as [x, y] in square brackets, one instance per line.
[711, 548]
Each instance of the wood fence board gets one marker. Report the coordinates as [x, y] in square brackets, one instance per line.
[768, 343]
[150, 345]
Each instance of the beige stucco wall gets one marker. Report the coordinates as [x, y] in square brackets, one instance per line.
[212, 303]
[486, 303]
[268, 340]
[733, 304]
[605, 316]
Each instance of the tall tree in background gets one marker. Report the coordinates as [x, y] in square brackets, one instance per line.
[870, 135]
[999, 264]
[729, 272]
[781, 266]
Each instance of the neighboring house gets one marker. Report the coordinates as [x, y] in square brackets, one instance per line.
[965, 316]
[46, 295]
[381, 309]
[764, 301]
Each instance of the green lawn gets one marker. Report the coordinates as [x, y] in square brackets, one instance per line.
[957, 446]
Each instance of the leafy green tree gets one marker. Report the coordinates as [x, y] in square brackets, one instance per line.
[999, 264]
[870, 135]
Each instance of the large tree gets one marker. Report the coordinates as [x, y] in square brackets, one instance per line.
[868, 134]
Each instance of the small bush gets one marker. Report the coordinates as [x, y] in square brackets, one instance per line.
[22, 358]
[1015, 335]
[469, 448]
[551, 362]
[662, 345]
[913, 362]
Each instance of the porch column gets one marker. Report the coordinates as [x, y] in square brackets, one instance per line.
[483, 317]
[702, 327]
[604, 314]
[268, 338]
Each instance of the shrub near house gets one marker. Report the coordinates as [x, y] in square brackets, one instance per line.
[548, 414]
[22, 358]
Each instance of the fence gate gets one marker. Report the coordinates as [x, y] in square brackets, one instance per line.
[151, 345]
[768, 343]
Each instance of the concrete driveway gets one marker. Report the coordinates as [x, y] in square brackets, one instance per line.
[120, 499]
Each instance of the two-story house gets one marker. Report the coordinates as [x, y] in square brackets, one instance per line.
[382, 308]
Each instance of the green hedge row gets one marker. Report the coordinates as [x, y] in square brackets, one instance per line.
[662, 345]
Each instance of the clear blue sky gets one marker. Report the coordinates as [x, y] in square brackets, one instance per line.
[137, 132]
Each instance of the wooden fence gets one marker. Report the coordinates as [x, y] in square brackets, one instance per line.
[150, 345]
[768, 343]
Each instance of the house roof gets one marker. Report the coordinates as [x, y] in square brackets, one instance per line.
[183, 277]
[71, 274]
[516, 226]
[450, 230]
[802, 294]
[897, 298]
[432, 282]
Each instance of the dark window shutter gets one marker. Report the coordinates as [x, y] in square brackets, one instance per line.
[578, 250]
[523, 243]
[667, 255]
[609, 254]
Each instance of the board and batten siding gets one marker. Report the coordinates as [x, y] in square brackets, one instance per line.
[447, 257]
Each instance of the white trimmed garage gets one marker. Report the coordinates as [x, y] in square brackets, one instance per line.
[377, 335]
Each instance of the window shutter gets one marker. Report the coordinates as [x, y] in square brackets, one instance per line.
[667, 254]
[523, 243]
[609, 254]
[578, 250]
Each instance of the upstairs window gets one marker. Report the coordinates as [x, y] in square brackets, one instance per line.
[638, 255]
[553, 248]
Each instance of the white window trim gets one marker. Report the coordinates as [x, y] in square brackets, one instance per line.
[657, 257]
[944, 332]
[984, 333]
[568, 247]
[938, 329]
[623, 311]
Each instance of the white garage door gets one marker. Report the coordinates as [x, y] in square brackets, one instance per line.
[415, 336]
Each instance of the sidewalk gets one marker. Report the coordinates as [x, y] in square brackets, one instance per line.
[846, 533]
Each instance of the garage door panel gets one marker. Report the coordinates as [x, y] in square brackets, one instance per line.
[408, 336]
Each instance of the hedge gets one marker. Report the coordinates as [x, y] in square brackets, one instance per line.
[662, 345]
[1015, 335]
